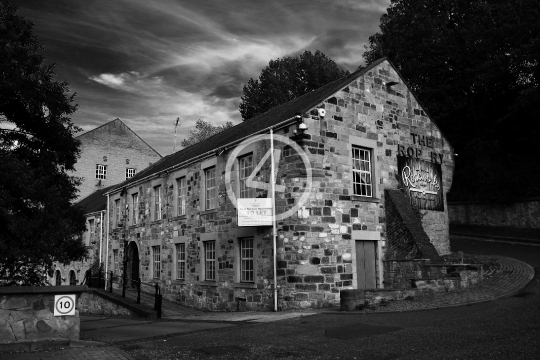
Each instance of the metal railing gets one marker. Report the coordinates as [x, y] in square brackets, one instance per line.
[99, 279]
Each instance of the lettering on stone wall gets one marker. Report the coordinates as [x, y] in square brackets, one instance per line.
[422, 181]
[413, 152]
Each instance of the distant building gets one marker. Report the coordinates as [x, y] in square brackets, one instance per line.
[110, 154]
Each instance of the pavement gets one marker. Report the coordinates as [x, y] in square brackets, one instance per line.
[103, 336]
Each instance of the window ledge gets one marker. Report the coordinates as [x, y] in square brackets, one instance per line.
[364, 199]
[178, 282]
[213, 211]
[179, 217]
[245, 285]
[208, 283]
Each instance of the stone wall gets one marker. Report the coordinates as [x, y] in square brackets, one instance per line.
[90, 303]
[27, 314]
[523, 214]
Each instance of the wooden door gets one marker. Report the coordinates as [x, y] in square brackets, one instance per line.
[365, 264]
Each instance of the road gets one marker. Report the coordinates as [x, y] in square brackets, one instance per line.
[508, 328]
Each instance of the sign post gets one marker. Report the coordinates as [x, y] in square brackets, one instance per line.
[64, 305]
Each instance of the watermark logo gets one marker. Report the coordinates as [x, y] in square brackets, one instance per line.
[253, 181]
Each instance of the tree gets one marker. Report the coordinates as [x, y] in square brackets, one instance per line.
[476, 67]
[286, 79]
[38, 222]
[203, 130]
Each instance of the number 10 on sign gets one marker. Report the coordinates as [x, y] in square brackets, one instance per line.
[64, 305]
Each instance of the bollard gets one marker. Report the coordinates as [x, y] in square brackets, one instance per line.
[156, 295]
[158, 305]
[110, 284]
[124, 285]
[99, 279]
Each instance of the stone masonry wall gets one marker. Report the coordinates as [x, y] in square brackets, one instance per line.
[30, 317]
[523, 214]
[89, 303]
[113, 145]
[315, 247]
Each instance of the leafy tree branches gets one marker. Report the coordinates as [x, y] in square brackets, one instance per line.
[203, 130]
[38, 222]
[286, 79]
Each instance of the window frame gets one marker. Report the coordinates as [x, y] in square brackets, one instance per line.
[181, 196]
[371, 146]
[210, 202]
[135, 208]
[244, 259]
[180, 261]
[116, 266]
[209, 265]
[361, 173]
[156, 262]
[91, 230]
[157, 208]
[117, 212]
[243, 173]
[101, 172]
[133, 172]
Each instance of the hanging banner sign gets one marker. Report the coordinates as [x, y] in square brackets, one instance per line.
[254, 212]
[423, 183]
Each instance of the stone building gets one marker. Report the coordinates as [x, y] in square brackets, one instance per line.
[341, 151]
[110, 154]
[94, 206]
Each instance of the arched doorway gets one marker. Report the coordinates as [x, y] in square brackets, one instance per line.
[72, 278]
[133, 262]
[57, 278]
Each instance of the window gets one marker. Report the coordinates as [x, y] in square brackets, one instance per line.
[130, 172]
[101, 171]
[134, 208]
[156, 264]
[117, 214]
[182, 192]
[157, 203]
[116, 267]
[57, 278]
[72, 278]
[210, 194]
[210, 260]
[247, 273]
[180, 261]
[91, 231]
[361, 171]
[246, 168]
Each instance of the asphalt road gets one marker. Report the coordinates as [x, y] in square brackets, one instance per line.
[508, 328]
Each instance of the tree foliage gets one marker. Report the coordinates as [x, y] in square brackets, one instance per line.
[475, 65]
[38, 222]
[286, 79]
[203, 130]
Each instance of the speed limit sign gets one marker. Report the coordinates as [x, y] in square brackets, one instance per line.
[64, 305]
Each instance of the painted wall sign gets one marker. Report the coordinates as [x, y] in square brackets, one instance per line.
[423, 182]
[254, 212]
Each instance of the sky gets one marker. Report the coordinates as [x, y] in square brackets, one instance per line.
[150, 62]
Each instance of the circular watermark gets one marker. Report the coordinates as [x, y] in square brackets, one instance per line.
[279, 188]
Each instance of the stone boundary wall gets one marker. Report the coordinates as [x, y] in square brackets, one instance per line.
[90, 303]
[27, 314]
[521, 213]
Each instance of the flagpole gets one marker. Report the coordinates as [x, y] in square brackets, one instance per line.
[274, 229]
[175, 126]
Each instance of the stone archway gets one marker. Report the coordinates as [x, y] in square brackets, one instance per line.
[132, 263]
[57, 278]
[72, 278]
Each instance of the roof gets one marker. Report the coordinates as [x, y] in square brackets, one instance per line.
[127, 127]
[252, 126]
[94, 202]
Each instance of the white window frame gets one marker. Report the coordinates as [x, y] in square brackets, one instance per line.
[91, 230]
[209, 264]
[210, 192]
[181, 189]
[157, 203]
[156, 262]
[130, 172]
[362, 171]
[246, 249]
[135, 208]
[101, 171]
[369, 145]
[245, 169]
[117, 212]
[181, 255]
